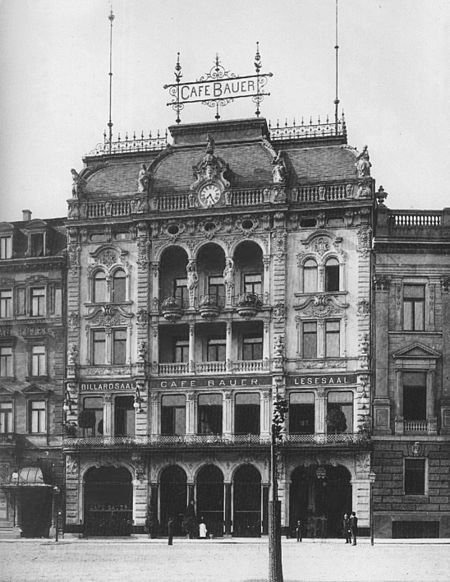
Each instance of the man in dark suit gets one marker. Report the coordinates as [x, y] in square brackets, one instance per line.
[353, 527]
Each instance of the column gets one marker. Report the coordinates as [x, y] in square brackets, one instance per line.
[321, 411]
[155, 284]
[266, 341]
[265, 509]
[108, 427]
[228, 346]
[382, 402]
[399, 427]
[431, 403]
[154, 413]
[320, 338]
[190, 413]
[108, 346]
[264, 412]
[227, 418]
[192, 348]
[227, 508]
[190, 492]
[155, 347]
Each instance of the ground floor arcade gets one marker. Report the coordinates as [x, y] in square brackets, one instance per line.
[118, 494]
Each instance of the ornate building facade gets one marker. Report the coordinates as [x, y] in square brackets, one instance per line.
[411, 447]
[32, 339]
[205, 277]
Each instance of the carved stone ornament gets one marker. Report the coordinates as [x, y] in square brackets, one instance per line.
[363, 463]
[210, 169]
[74, 319]
[72, 466]
[108, 316]
[73, 255]
[72, 355]
[107, 371]
[142, 248]
[363, 164]
[445, 284]
[141, 352]
[363, 308]
[381, 283]
[321, 306]
[279, 311]
[320, 364]
[364, 240]
[142, 317]
[416, 449]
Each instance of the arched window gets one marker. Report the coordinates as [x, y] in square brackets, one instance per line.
[119, 291]
[332, 275]
[99, 287]
[310, 276]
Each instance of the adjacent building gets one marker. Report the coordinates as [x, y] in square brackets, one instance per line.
[32, 360]
[205, 276]
[411, 406]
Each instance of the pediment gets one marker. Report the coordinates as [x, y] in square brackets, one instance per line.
[36, 224]
[416, 351]
[6, 227]
[34, 389]
[5, 391]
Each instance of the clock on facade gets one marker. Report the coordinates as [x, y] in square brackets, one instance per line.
[209, 195]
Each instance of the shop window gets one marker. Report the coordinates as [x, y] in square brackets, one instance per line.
[181, 351]
[173, 414]
[332, 275]
[252, 348]
[210, 414]
[310, 276]
[37, 245]
[91, 417]
[332, 337]
[119, 355]
[119, 286]
[216, 350]
[253, 284]
[5, 247]
[37, 416]
[124, 416]
[6, 303]
[414, 395]
[6, 417]
[216, 290]
[414, 476]
[99, 287]
[180, 292]
[246, 414]
[38, 361]
[340, 412]
[6, 362]
[309, 339]
[38, 301]
[414, 307]
[98, 347]
[301, 413]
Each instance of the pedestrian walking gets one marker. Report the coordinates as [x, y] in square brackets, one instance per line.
[202, 530]
[353, 527]
[170, 525]
[298, 530]
[346, 528]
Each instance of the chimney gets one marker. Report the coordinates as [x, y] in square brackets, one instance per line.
[26, 215]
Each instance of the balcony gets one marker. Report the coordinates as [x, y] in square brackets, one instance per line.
[171, 309]
[238, 366]
[415, 426]
[248, 304]
[209, 307]
[165, 441]
[343, 439]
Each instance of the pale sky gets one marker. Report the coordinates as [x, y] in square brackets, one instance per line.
[394, 82]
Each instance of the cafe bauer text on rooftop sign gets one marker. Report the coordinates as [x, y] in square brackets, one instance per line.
[218, 87]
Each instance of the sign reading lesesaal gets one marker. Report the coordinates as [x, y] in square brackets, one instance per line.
[322, 380]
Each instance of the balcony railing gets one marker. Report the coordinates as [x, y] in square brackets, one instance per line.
[192, 440]
[325, 439]
[237, 366]
[308, 130]
[129, 145]
[415, 426]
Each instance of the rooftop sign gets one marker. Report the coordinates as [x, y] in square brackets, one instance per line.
[218, 87]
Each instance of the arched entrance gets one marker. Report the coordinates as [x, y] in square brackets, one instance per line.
[319, 497]
[108, 502]
[173, 498]
[210, 499]
[247, 502]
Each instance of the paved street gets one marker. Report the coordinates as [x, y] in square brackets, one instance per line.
[233, 561]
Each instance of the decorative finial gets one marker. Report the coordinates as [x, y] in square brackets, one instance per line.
[258, 63]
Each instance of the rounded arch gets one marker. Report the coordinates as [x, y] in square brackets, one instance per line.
[173, 277]
[319, 496]
[173, 496]
[171, 245]
[108, 500]
[200, 247]
[257, 242]
[210, 498]
[247, 501]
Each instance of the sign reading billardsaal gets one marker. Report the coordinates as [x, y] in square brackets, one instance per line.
[218, 87]
[107, 386]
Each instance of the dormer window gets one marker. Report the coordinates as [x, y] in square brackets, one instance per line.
[37, 245]
[5, 247]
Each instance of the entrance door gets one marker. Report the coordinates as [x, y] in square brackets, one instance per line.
[319, 497]
[247, 502]
[108, 502]
[173, 498]
[210, 499]
[35, 511]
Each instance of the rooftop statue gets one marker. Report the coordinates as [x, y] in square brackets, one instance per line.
[363, 164]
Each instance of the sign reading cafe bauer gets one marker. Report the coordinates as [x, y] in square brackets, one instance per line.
[218, 87]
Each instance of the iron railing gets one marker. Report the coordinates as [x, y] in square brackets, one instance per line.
[129, 145]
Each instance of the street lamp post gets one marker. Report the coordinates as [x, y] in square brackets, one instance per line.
[372, 477]
[55, 492]
[275, 561]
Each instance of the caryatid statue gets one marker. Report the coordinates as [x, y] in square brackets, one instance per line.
[228, 279]
[192, 282]
[363, 164]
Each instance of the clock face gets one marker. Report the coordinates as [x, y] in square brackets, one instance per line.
[209, 195]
